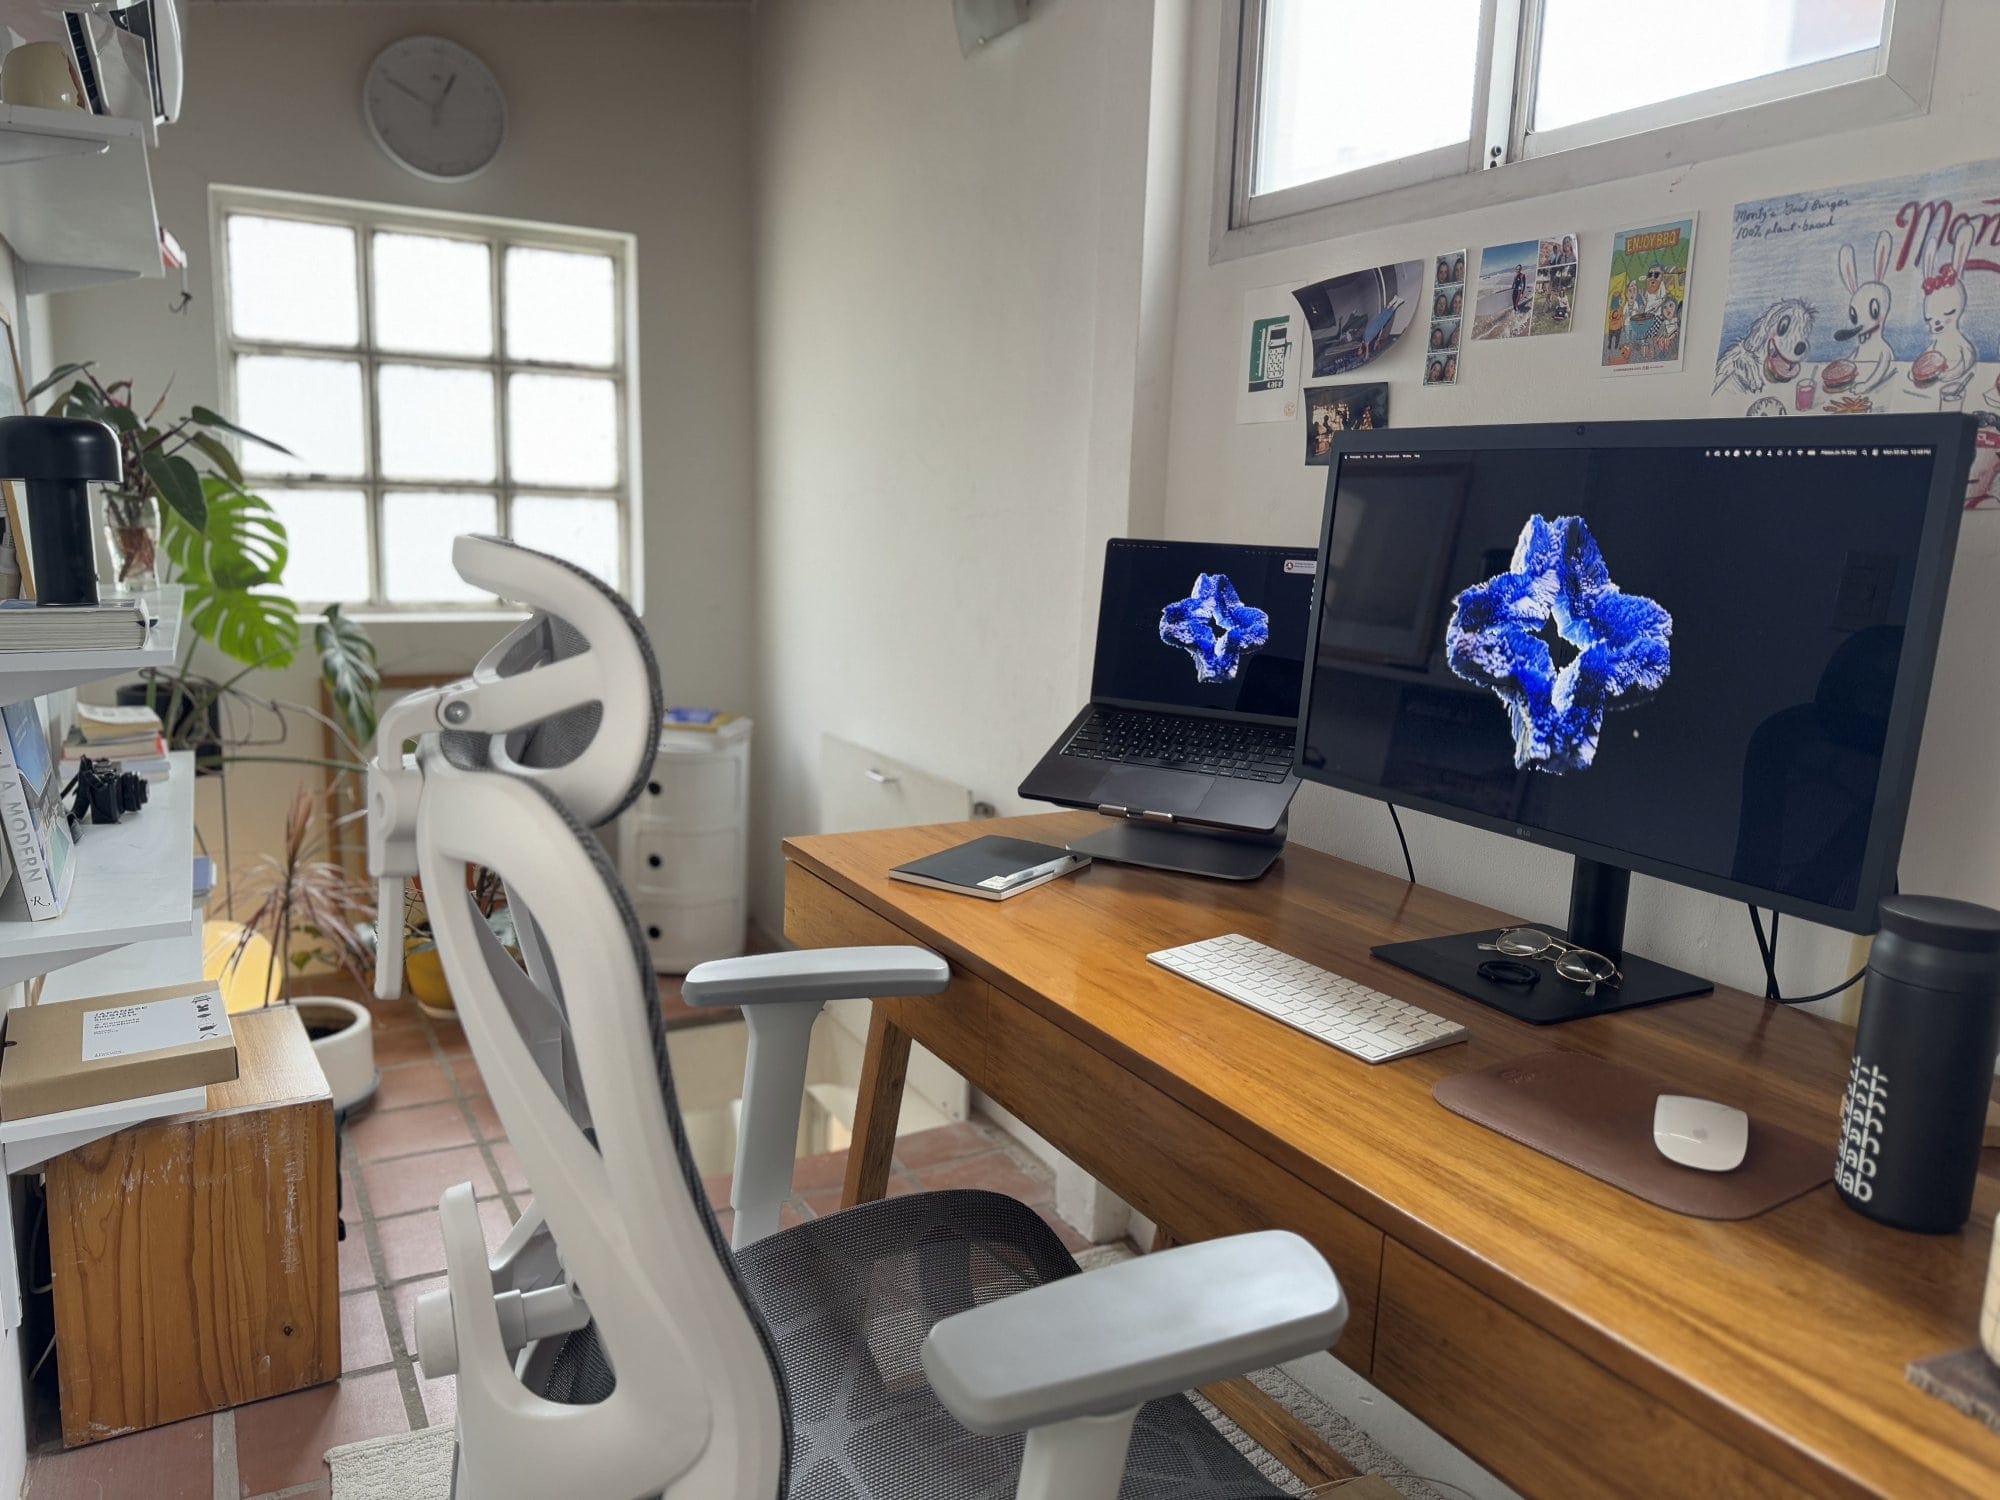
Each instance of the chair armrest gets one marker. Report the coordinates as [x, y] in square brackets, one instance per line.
[816, 974]
[1110, 1340]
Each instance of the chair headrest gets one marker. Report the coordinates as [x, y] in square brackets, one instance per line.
[571, 698]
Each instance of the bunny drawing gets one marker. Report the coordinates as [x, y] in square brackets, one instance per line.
[1949, 362]
[1867, 315]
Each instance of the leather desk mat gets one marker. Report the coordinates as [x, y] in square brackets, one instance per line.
[1597, 1116]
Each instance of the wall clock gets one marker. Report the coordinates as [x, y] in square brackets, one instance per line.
[435, 108]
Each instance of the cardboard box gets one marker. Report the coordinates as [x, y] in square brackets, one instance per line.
[77, 1053]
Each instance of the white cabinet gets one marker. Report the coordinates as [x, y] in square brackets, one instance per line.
[684, 846]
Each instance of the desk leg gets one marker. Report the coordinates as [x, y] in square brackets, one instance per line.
[883, 1068]
[1275, 1430]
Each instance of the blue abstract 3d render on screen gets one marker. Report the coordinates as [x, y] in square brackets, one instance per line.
[1215, 627]
[1500, 638]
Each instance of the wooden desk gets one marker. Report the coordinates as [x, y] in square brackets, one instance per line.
[1571, 1337]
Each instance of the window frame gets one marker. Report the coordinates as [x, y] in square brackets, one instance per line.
[498, 235]
[1504, 160]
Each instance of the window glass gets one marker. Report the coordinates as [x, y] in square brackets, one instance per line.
[432, 295]
[1599, 58]
[291, 282]
[1352, 86]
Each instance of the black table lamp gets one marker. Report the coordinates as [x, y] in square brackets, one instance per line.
[57, 457]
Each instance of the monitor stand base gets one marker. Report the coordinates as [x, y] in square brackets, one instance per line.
[1185, 849]
[1454, 963]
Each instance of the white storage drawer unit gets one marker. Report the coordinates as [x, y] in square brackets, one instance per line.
[684, 846]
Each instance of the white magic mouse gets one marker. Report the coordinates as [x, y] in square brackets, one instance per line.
[1700, 1133]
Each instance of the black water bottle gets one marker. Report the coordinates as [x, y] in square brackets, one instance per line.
[1923, 1065]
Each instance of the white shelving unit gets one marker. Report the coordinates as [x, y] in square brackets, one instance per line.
[134, 884]
[76, 198]
[30, 674]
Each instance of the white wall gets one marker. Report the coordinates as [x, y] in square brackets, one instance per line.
[950, 315]
[1249, 482]
[622, 117]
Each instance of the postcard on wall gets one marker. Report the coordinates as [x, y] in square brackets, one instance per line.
[1882, 296]
[1645, 303]
[1267, 375]
[1356, 317]
[1342, 408]
[1525, 289]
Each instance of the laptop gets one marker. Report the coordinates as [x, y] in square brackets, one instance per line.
[1194, 696]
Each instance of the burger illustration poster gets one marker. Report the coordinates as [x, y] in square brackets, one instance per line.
[1877, 297]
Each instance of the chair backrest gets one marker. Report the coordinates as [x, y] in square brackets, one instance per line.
[674, 1385]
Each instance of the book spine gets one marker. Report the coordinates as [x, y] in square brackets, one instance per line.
[17, 817]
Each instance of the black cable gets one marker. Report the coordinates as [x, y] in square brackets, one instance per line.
[1408, 863]
[1845, 984]
[1768, 948]
[1766, 952]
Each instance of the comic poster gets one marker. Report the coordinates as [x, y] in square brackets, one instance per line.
[1883, 296]
[1447, 316]
[1342, 408]
[1525, 289]
[1358, 316]
[1267, 375]
[1645, 305]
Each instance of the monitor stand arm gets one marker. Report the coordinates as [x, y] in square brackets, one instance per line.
[1185, 848]
[1597, 907]
[1597, 895]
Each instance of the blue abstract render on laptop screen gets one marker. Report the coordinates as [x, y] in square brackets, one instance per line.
[1197, 625]
[1685, 652]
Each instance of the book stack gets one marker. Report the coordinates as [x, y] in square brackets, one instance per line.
[31, 811]
[112, 625]
[131, 738]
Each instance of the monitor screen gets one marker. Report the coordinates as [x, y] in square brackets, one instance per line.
[1678, 647]
[1204, 625]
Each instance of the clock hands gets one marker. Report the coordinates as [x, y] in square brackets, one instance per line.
[398, 83]
[437, 107]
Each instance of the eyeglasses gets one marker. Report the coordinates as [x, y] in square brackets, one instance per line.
[1577, 965]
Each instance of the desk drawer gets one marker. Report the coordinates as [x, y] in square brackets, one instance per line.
[1543, 1417]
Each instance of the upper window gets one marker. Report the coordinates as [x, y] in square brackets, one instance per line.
[1339, 102]
[431, 375]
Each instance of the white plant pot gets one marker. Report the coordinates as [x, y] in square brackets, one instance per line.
[346, 1056]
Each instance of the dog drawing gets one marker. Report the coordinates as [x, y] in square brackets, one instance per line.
[1774, 349]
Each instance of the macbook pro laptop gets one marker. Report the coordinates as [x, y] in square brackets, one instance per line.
[1194, 695]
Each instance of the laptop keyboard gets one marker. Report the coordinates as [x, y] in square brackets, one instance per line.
[1220, 747]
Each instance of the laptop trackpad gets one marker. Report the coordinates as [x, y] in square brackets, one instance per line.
[1147, 790]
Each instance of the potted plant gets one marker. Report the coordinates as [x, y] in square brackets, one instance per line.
[423, 970]
[315, 913]
[158, 463]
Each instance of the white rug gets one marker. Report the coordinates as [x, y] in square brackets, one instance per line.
[409, 1466]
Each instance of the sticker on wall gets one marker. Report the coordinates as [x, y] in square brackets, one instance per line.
[1645, 303]
[1447, 318]
[1342, 408]
[1267, 373]
[1525, 289]
[1357, 317]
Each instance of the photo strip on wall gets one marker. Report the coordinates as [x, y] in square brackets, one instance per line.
[1441, 347]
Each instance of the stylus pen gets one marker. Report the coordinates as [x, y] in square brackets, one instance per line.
[1008, 882]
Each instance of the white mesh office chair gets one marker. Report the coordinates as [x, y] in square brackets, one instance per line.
[934, 1347]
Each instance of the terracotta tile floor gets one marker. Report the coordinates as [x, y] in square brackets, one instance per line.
[431, 1125]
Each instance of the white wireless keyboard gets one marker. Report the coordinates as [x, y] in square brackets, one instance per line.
[1343, 1013]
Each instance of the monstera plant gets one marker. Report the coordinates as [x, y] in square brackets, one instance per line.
[227, 547]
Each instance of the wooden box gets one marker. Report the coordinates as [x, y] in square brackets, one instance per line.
[195, 1256]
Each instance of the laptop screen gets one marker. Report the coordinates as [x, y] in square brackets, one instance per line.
[1204, 625]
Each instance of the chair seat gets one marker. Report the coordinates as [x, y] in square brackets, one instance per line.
[849, 1300]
